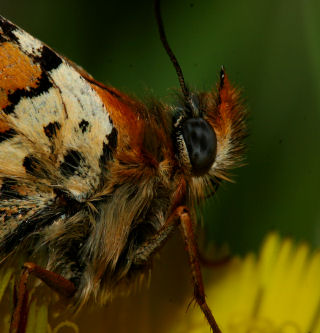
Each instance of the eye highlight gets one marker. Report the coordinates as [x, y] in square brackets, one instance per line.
[201, 143]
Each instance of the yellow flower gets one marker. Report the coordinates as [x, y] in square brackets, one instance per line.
[276, 292]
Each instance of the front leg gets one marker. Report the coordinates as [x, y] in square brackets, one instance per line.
[180, 216]
[192, 249]
[143, 254]
[55, 281]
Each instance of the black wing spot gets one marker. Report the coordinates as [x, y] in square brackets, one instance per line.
[113, 138]
[8, 28]
[108, 149]
[2, 38]
[51, 129]
[106, 155]
[44, 84]
[34, 167]
[7, 134]
[8, 189]
[71, 163]
[48, 60]
[31, 164]
[83, 125]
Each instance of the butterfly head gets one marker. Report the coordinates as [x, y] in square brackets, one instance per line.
[208, 127]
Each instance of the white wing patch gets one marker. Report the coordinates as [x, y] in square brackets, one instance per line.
[27, 43]
[81, 103]
[31, 115]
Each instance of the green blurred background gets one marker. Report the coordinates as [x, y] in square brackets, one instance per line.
[270, 48]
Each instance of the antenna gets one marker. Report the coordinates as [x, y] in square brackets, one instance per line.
[170, 53]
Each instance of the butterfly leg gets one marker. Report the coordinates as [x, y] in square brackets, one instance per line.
[186, 226]
[55, 281]
[21, 305]
[180, 216]
[143, 254]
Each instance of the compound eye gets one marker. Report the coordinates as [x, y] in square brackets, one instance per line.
[201, 143]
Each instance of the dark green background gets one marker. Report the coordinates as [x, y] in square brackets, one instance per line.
[270, 48]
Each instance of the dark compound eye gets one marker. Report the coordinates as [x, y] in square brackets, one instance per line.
[201, 143]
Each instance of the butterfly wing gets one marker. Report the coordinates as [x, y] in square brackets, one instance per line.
[55, 132]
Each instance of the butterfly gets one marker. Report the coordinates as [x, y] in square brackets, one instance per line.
[93, 182]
